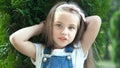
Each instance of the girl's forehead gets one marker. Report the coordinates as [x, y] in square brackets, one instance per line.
[67, 17]
[72, 8]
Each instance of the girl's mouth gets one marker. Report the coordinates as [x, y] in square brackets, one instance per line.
[63, 39]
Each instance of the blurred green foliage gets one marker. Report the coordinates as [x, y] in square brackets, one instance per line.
[115, 36]
[16, 14]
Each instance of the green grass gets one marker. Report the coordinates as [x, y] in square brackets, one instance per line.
[105, 64]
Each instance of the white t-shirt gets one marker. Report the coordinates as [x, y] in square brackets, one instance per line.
[78, 57]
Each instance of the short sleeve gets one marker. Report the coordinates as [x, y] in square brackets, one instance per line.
[39, 55]
[78, 56]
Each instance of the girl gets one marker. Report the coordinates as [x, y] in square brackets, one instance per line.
[68, 36]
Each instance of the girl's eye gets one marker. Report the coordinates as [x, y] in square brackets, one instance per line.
[71, 27]
[58, 25]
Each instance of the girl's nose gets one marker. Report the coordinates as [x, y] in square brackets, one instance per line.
[65, 31]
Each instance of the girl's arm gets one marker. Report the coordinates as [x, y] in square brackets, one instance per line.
[20, 38]
[93, 26]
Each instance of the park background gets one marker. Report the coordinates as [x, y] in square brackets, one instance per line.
[16, 14]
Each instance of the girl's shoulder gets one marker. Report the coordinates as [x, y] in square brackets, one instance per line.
[39, 45]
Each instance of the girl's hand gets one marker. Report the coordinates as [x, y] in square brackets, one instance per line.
[41, 27]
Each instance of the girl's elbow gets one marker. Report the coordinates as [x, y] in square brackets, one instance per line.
[12, 39]
[98, 20]
[94, 20]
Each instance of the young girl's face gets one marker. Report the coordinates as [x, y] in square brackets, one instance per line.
[65, 27]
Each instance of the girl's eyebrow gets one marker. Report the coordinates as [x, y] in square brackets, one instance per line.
[59, 22]
[73, 25]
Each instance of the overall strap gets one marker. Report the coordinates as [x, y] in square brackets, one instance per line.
[68, 49]
[47, 50]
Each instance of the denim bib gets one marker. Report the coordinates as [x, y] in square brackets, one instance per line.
[53, 61]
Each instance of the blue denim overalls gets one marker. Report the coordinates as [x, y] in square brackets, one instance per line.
[52, 61]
